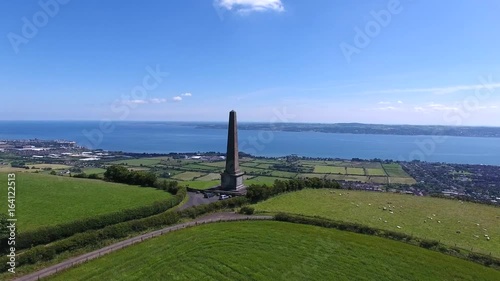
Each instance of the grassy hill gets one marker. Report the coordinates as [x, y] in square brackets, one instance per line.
[452, 222]
[275, 251]
[44, 200]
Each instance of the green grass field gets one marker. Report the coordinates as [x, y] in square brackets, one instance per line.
[402, 180]
[52, 166]
[200, 184]
[45, 200]
[319, 169]
[139, 162]
[356, 171]
[188, 176]
[9, 169]
[209, 177]
[203, 167]
[395, 170]
[89, 171]
[274, 251]
[221, 164]
[263, 180]
[375, 172]
[423, 217]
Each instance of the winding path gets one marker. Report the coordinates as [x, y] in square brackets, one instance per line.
[216, 217]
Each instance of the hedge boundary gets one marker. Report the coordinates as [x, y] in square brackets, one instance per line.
[434, 245]
[50, 234]
[116, 231]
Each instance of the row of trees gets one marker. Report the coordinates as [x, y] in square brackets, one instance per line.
[256, 192]
[121, 174]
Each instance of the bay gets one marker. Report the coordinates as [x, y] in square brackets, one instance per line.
[165, 137]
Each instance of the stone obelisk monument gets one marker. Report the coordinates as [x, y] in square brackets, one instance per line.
[232, 178]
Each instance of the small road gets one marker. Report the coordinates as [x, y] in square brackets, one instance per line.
[216, 217]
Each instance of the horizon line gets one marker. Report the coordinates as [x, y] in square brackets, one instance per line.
[242, 122]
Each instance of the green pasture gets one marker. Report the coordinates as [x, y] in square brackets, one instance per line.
[267, 250]
[452, 222]
[45, 200]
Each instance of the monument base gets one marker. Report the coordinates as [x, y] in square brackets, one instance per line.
[231, 182]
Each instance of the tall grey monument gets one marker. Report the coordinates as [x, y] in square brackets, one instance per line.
[232, 177]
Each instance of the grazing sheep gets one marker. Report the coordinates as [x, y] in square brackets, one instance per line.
[399, 227]
[385, 221]
[391, 212]
[384, 208]
[488, 238]
[439, 221]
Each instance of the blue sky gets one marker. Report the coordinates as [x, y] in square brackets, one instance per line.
[377, 61]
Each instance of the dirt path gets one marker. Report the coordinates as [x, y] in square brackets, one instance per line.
[216, 217]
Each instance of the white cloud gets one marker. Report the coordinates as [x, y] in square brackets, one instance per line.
[135, 101]
[158, 100]
[177, 98]
[390, 102]
[440, 107]
[187, 95]
[387, 108]
[247, 6]
[145, 101]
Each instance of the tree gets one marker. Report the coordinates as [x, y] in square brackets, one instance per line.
[116, 173]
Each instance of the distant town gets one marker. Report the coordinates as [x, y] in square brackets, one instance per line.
[479, 183]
